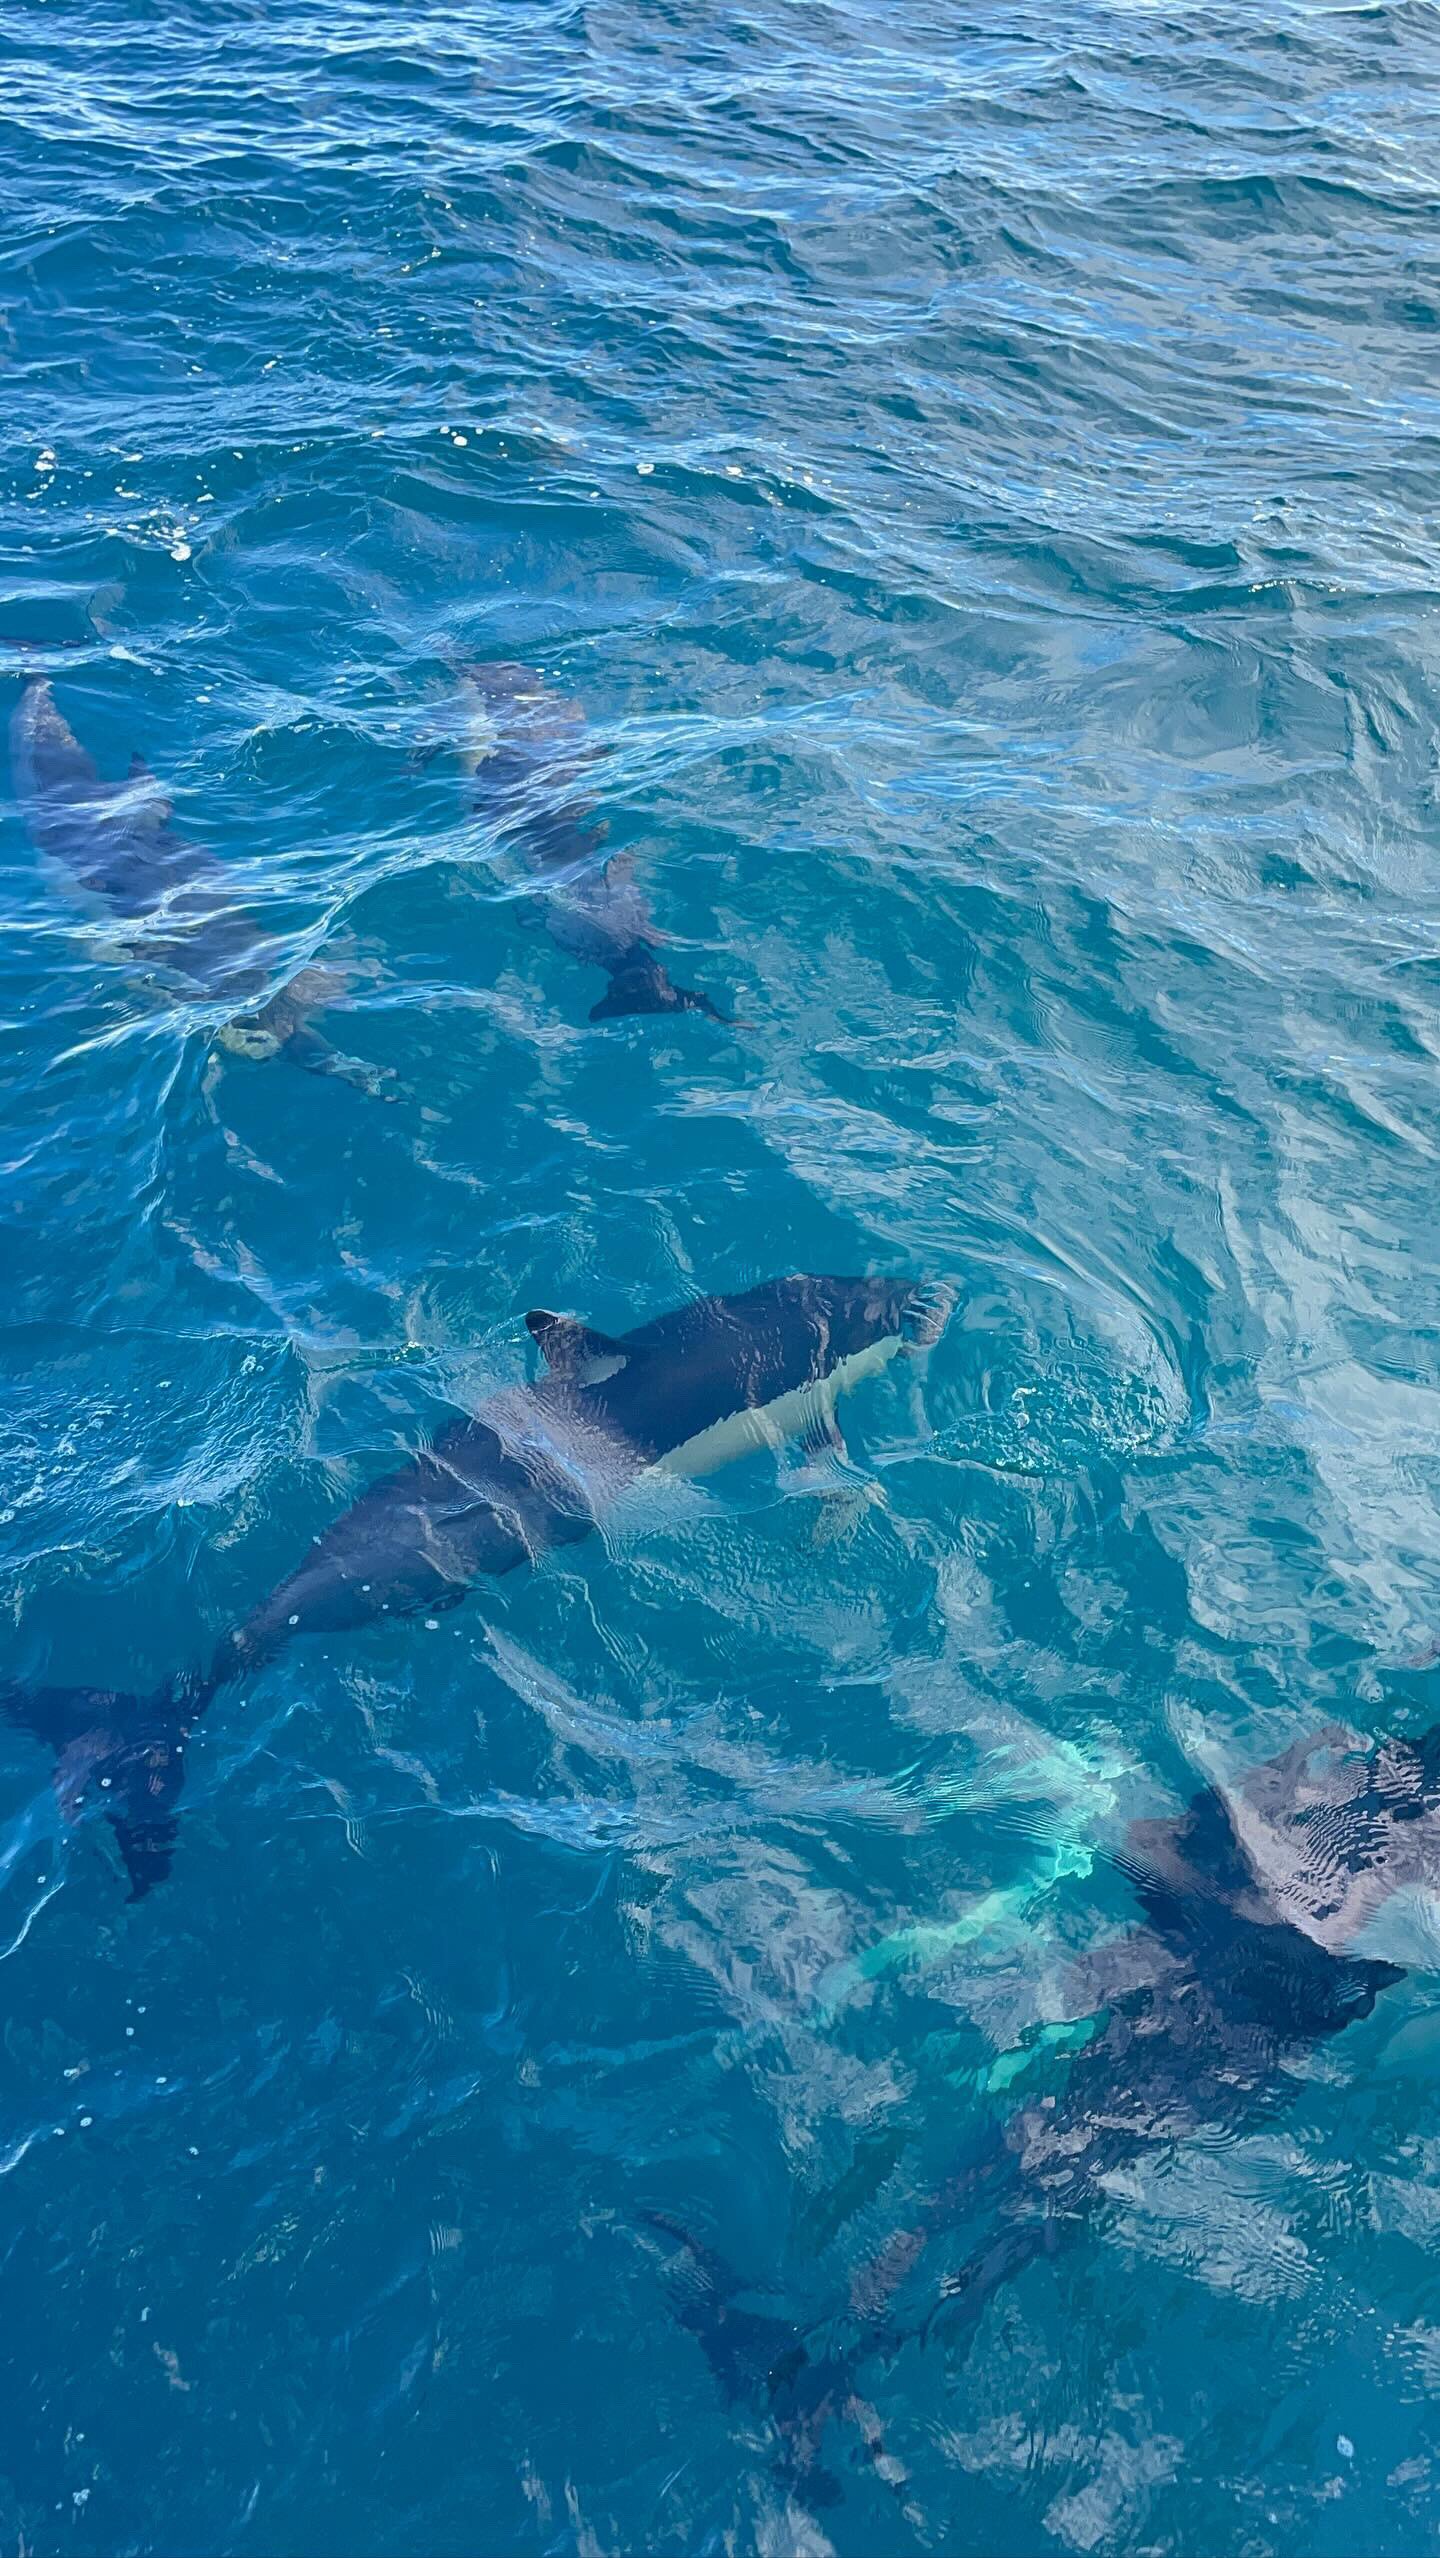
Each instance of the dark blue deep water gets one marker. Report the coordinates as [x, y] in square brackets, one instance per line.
[979, 470]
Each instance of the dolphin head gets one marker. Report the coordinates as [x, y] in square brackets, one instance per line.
[509, 718]
[687, 1389]
[257, 1040]
[816, 1329]
[865, 1316]
[504, 685]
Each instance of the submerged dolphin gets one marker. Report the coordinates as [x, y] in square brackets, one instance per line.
[534, 1468]
[525, 747]
[1254, 1900]
[111, 848]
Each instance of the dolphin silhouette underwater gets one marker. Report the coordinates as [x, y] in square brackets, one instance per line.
[534, 1468]
[524, 747]
[1253, 1900]
[111, 849]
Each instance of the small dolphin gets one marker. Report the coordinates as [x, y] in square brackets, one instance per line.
[525, 747]
[110, 847]
[536, 1467]
[1254, 1900]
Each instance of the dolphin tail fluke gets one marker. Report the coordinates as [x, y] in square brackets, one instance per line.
[748, 2350]
[755, 2355]
[124, 1754]
[807, 2383]
[641, 984]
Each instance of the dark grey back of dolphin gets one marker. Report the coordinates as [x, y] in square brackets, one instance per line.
[54, 780]
[113, 844]
[531, 782]
[684, 1374]
[533, 1469]
[527, 1473]
[1203, 2009]
[1200, 2008]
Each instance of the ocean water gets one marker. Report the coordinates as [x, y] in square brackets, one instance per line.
[977, 470]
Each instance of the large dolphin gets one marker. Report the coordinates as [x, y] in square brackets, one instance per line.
[1255, 1901]
[536, 1467]
[525, 747]
[110, 848]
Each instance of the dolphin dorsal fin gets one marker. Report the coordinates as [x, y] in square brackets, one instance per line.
[572, 1349]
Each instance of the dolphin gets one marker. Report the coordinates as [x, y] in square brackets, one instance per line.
[534, 1468]
[525, 748]
[1258, 1902]
[110, 848]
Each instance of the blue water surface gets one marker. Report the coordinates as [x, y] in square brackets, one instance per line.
[977, 468]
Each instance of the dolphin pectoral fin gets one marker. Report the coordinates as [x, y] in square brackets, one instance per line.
[572, 1349]
[824, 1468]
[964, 2295]
[843, 1512]
[875, 2451]
[823, 1437]
[305, 1047]
[376, 1082]
[828, 2211]
[1362, 1983]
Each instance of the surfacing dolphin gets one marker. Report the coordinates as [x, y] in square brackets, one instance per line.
[111, 849]
[525, 747]
[535, 1468]
[1253, 1899]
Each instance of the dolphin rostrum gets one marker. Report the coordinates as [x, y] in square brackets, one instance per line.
[1259, 1902]
[525, 747]
[535, 1468]
[111, 848]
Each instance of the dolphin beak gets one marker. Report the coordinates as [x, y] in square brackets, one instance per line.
[248, 1039]
[927, 1313]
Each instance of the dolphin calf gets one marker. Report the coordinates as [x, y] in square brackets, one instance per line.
[535, 1468]
[525, 748]
[110, 848]
[1255, 1901]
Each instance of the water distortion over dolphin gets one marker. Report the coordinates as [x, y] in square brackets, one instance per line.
[536, 1467]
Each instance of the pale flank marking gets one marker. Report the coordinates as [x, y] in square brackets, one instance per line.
[550, 1430]
[768, 1425]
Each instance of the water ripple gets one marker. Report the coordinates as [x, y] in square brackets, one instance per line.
[975, 472]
